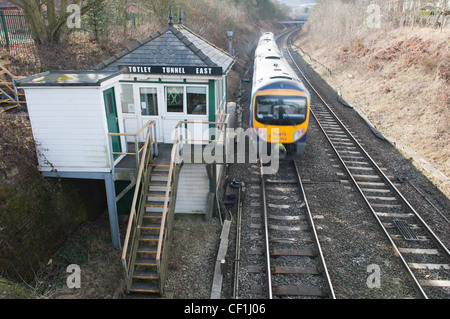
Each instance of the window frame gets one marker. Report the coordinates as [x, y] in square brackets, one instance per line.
[156, 108]
[206, 99]
[184, 86]
[280, 122]
[123, 100]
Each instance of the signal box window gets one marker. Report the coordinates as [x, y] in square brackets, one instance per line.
[196, 100]
[149, 101]
[174, 97]
[127, 98]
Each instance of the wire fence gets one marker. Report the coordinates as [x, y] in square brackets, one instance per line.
[15, 34]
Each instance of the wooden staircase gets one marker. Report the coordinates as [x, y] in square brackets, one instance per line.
[146, 278]
[146, 246]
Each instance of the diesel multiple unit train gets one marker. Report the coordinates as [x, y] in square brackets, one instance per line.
[280, 104]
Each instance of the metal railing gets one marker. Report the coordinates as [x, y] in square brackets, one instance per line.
[169, 208]
[151, 127]
[15, 33]
[179, 141]
[144, 156]
[217, 131]
[136, 214]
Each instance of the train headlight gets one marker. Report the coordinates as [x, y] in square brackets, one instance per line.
[262, 133]
[298, 134]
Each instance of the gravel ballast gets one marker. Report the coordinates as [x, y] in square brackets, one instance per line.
[351, 240]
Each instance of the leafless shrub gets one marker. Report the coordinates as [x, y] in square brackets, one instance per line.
[374, 65]
[430, 64]
[336, 21]
[443, 70]
[344, 21]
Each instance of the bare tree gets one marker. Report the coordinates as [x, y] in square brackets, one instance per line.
[53, 28]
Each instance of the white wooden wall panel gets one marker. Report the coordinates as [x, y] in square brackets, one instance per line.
[69, 127]
[193, 188]
[131, 126]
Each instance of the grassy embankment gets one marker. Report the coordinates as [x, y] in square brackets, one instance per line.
[397, 76]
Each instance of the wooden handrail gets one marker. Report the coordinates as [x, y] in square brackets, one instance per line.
[175, 147]
[148, 124]
[167, 209]
[20, 102]
[133, 214]
[175, 151]
[125, 153]
[205, 123]
[136, 192]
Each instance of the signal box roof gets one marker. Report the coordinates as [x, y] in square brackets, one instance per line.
[174, 45]
[67, 78]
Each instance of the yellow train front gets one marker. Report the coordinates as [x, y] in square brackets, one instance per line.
[279, 114]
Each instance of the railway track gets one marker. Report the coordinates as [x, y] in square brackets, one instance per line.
[424, 257]
[287, 258]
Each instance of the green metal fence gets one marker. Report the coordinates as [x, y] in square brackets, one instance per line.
[15, 33]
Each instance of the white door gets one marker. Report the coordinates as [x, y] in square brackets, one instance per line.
[173, 111]
[150, 101]
[184, 103]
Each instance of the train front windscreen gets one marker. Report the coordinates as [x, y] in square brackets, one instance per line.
[281, 110]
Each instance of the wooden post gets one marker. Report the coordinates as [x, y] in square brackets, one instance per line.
[112, 209]
[5, 29]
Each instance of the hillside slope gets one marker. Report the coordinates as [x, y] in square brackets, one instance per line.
[400, 81]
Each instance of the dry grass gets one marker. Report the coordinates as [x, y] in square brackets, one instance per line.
[399, 79]
[101, 270]
[12, 290]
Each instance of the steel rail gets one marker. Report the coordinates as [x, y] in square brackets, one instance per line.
[316, 237]
[237, 259]
[266, 235]
[318, 248]
[381, 173]
[379, 170]
[397, 251]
